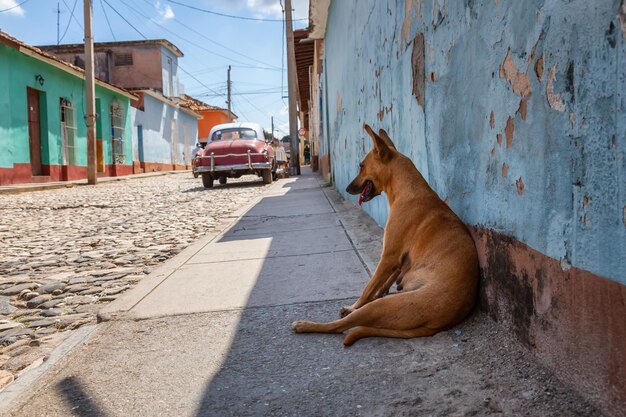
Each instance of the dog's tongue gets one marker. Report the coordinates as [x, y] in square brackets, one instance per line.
[366, 190]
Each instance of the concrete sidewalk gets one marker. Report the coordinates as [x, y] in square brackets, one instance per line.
[208, 334]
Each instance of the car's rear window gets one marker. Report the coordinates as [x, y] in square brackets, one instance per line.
[234, 133]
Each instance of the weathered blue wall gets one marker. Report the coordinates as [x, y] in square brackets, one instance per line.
[156, 119]
[553, 71]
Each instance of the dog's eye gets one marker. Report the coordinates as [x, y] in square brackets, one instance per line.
[361, 165]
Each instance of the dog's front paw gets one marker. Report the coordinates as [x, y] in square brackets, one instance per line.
[344, 311]
[299, 326]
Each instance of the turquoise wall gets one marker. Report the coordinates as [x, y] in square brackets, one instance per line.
[559, 183]
[17, 72]
[6, 145]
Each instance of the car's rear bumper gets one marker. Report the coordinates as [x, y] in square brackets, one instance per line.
[211, 163]
[236, 167]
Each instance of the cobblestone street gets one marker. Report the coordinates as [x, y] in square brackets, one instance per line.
[64, 253]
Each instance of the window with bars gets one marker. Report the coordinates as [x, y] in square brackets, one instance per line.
[68, 132]
[123, 59]
[117, 132]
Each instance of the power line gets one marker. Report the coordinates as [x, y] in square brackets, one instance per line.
[179, 67]
[200, 82]
[260, 68]
[213, 41]
[249, 102]
[248, 93]
[179, 36]
[124, 19]
[13, 7]
[72, 16]
[107, 19]
[238, 110]
[68, 20]
[230, 15]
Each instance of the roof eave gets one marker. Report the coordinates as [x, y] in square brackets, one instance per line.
[318, 16]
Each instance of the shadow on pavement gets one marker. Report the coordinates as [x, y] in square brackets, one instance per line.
[292, 260]
[78, 400]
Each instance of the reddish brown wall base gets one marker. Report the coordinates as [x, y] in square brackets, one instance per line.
[21, 173]
[138, 167]
[156, 167]
[573, 320]
[325, 166]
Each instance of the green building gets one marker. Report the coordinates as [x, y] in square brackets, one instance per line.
[43, 136]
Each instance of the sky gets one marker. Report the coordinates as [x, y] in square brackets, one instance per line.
[210, 42]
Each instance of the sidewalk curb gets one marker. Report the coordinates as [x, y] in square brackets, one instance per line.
[26, 188]
[24, 387]
[120, 308]
[365, 235]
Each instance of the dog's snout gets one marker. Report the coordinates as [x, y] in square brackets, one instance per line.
[352, 188]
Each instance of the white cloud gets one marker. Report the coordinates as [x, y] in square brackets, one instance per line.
[11, 4]
[270, 9]
[266, 7]
[165, 12]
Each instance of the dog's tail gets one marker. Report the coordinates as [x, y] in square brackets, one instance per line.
[359, 332]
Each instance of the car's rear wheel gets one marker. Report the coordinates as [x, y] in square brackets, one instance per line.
[267, 176]
[207, 180]
[223, 179]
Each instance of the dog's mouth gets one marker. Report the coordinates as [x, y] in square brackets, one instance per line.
[367, 193]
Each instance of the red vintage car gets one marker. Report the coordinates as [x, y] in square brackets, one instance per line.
[233, 150]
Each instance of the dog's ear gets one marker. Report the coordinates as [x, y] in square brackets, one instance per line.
[384, 136]
[380, 146]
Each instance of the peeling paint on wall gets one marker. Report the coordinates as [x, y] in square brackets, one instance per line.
[417, 64]
[409, 5]
[523, 108]
[519, 81]
[519, 63]
[554, 99]
[520, 186]
[509, 130]
[539, 68]
[505, 169]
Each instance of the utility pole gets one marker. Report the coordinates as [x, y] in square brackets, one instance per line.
[272, 128]
[292, 85]
[228, 100]
[58, 23]
[90, 117]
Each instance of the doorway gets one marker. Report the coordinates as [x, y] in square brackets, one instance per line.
[34, 130]
[99, 139]
[174, 143]
[140, 142]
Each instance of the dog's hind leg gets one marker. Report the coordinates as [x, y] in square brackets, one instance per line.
[382, 315]
[363, 331]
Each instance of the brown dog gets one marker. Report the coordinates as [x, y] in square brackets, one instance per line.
[427, 250]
